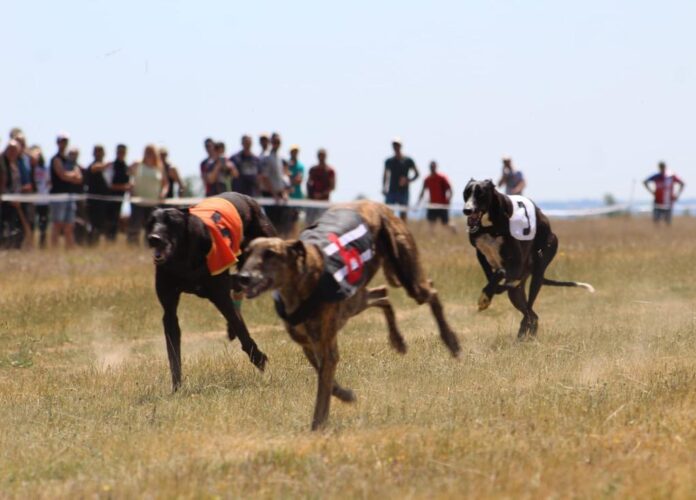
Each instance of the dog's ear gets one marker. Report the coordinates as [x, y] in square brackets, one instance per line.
[489, 183]
[298, 253]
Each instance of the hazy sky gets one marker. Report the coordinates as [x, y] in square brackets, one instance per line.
[585, 96]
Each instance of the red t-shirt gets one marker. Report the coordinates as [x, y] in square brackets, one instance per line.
[319, 182]
[437, 185]
[664, 187]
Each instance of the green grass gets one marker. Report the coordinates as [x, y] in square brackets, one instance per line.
[603, 404]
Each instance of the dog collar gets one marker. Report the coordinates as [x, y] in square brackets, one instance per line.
[300, 314]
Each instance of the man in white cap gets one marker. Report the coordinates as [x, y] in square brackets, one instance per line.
[397, 177]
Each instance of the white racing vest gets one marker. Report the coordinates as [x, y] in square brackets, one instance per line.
[523, 219]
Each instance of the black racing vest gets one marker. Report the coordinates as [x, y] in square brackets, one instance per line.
[346, 243]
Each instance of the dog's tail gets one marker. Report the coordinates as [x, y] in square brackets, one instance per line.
[580, 284]
[401, 254]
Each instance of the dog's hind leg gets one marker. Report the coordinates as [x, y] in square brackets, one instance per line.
[237, 328]
[395, 338]
[343, 393]
[519, 299]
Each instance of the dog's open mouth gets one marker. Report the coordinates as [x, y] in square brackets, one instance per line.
[158, 256]
[257, 288]
[473, 221]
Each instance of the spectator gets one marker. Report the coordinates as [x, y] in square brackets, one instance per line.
[150, 186]
[172, 174]
[247, 165]
[396, 178]
[264, 142]
[207, 163]
[295, 176]
[440, 193]
[116, 175]
[512, 179]
[66, 178]
[14, 226]
[219, 172]
[663, 192]
[97, 184]
[24, 162]
[271, 180]
[296, 173]
[41, 180]
[81, 227]
[320, 183]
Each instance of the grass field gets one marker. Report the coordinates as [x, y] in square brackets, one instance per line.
[603, 404]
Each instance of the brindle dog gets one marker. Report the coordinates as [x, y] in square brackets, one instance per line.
[294, 269]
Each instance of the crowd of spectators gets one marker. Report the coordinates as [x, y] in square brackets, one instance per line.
[151, 179]
[269, 175]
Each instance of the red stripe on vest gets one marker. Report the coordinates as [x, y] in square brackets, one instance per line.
[349, 256]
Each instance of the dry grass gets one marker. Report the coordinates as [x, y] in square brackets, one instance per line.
[603, 404]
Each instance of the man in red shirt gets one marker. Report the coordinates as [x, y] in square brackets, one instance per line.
[440, 192]
[663, 192]
[320, 182]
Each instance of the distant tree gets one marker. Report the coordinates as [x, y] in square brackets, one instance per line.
[609, 200]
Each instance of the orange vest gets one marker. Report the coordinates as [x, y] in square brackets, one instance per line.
[226, 230]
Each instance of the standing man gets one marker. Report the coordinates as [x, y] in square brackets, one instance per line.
[119, 184]
[207, 162]
[321, 181]
[13, 223]
[663, 192]
[273, 184]
[247, 164]
[264, 143]
[66, 178]
[397, 177]
[440, 192]
[97, 210]
[295, 177]
[296, 173]
[512, 179]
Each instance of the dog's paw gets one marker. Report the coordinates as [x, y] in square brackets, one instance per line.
[345, 395]
[484, 301]
[259, 360]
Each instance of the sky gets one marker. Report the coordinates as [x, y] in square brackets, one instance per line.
[586, 97]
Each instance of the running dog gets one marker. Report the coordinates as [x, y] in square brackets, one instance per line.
[193, 250]
[320, 281]
[513, 240]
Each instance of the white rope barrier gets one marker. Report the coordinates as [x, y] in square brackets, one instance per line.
[305, 203]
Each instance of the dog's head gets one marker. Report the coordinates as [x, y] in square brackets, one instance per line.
[166, 230]
[270, 263]
[478, 196]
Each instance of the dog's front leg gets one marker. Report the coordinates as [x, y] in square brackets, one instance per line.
[237, 328]
[172, 333]
[513, 264]
[492, 278]
[326, 351]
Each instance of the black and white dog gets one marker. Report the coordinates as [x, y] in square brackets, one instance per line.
[513, 240]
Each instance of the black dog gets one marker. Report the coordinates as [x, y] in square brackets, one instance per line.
[513, 240]
[182, 243]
